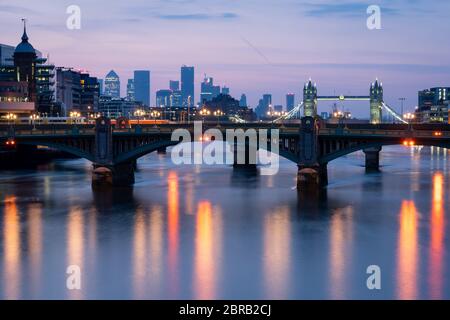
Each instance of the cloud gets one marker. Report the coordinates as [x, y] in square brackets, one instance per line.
[16, 9]
[342, 9]
[197, 16]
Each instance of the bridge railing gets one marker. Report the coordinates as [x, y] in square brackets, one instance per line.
[40, 132]
[390, 133]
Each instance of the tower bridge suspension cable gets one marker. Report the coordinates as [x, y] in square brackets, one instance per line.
[393, 113]
[294, 113]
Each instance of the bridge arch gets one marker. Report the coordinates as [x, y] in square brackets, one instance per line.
[152, 147]
[143, 150]
[60, 147]
[360, 147]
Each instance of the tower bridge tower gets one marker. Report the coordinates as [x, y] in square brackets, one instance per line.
[376, 102]
[310, 99]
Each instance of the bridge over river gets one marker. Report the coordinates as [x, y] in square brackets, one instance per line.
[311, 144]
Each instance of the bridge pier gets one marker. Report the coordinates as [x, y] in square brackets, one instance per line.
[372, 159]
[312, 178]
[245, 156]
[115, 175]
[312, 174]
[106, 172]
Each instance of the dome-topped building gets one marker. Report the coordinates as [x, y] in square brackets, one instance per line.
[25, 46]
[25, 62]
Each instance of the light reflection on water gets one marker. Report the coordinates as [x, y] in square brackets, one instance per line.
[437, 230]
[11, 249]
[208, 232]
[407, 258]
[341, 238]
[277, 253]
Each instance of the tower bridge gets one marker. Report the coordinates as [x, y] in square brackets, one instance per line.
[375, 99]
[311, 145]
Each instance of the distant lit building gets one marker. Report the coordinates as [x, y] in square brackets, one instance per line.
[76, 90]
[433, 97]
[433, 105]
[324, 115]
[243, 101]
[278, 108]
[229, 106]
[290, 101]
[163, 98]
[174, 85]
[142, 86]
[100, 85]
[208, 90]
[117, 107]
[264, 105]
[176, 99]
[130, 90]
[112, 85]
[224, 103]
[6, 55]
[225, 90]
[14, 98]
[187, 86]
[30, 69]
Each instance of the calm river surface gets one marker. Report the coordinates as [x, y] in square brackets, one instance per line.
[209, 232]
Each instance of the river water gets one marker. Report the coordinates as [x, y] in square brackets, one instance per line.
[211, 232]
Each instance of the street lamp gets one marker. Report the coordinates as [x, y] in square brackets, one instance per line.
[402, 100]
[203, 113]
[272, 115]
[139, 113]
[155, 114]
[74, 115]
[218, 114]
[94, 116]
[33, 119]
[409, 116]
[11, 117]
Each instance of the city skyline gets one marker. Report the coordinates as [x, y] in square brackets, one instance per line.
[252, 58]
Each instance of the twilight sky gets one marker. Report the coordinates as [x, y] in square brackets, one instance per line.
[252, 46]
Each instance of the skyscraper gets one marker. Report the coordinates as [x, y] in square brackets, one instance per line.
[225, 90]
[263, 105]
[112, 85]
[187, 86]
[174, 85]
[142, 86]
[267, 102]
[100, 86]
[208, 90]
[243, 101]
[130, 90]
[290, 101]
